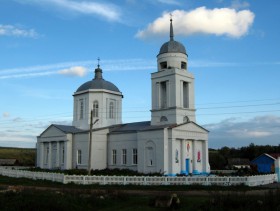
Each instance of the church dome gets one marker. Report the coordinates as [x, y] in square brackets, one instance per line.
[98, 83]
[172, 46]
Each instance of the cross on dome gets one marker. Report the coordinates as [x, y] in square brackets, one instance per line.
[171, 29]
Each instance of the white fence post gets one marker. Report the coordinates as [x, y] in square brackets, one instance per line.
[277, 168]
[124, 180]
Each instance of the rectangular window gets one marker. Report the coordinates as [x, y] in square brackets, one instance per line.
[63, 154]
[79, 156]
[163, 95]
[185, 95]
[124, 156]
[95, 109]
[183, 65]
[134, 157]
[81, 109]
[114, 157]
[111, 110]
[163, 65]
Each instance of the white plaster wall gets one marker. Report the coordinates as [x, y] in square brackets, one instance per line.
[160, 141]
[68, 152]
[77, 122]
[176, 159]
[81, 142]
[174, 112]
[119, 142]
[172, 59]
[51, 138]
[189, 154]
[103, 97]
[51, 131]
[174, 115]
[99, 149]
[199, 163]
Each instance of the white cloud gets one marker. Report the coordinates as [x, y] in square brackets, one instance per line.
[218, 21]
[67, 68]
[74, 71]
[27, 75]
[260, 130]
[109, 11]
[171, 2]
[10, 30]
[237, 4]
[6, 114]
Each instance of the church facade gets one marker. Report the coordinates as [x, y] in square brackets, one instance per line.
[171, 143]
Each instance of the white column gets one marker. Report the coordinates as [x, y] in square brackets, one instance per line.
[168, 94]
[206, 159]
[194, 151]
[157, 96]
[277, 168]
[57, 155]
[42, 154]
[181, 94]
[68, 154]
[65, 155]
[183, 156]
[39, 154]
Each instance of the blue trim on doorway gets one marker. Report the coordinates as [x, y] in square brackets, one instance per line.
[184, 172]
[196, 172]
[171, 175]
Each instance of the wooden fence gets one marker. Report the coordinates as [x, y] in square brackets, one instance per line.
[142, 180]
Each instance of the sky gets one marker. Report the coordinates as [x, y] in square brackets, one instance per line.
[48, 48]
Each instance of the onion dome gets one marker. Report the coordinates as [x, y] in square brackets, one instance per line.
[172, 46]
[98, 83]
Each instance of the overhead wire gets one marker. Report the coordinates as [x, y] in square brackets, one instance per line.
[68, 115]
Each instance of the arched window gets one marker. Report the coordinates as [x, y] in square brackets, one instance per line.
[111, 110]
[95, 109]
[183, 65]
[163, 119]
[150, 153]
[186, 119]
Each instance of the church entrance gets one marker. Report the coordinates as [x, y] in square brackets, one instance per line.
[187, 166]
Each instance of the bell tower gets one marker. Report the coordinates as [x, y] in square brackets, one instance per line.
[172, 85]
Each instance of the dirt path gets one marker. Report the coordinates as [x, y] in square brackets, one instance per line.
[18, 188]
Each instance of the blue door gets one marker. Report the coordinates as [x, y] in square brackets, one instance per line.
[187, 166]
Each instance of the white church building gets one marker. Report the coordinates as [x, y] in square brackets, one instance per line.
[171, 143]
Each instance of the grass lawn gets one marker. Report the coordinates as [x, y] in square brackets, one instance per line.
[46, 195]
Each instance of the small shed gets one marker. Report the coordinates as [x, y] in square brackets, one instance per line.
[238, 163]
[265, 162]
[8, 162]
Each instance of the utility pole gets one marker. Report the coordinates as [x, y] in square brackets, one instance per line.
[90, 140]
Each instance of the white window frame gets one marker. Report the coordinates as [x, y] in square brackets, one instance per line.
[111, 110]
[95, 108]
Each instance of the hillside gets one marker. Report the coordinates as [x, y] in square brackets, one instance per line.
[25, 157]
